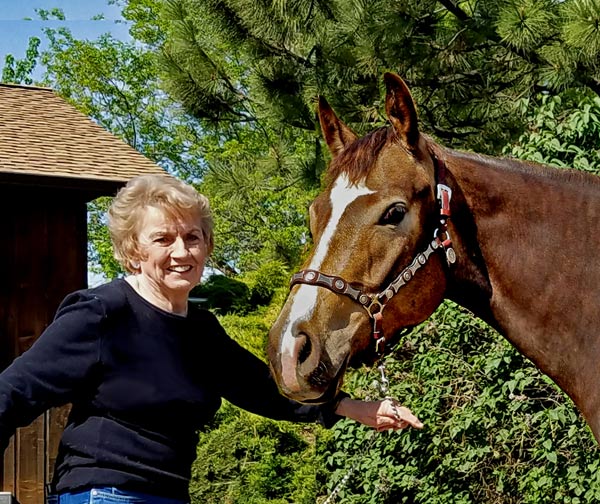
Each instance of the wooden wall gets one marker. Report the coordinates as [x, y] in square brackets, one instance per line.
[43, 257]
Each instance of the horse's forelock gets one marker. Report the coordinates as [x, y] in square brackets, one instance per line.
[358, 158]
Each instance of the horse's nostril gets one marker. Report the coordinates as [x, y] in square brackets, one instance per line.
[304, 352]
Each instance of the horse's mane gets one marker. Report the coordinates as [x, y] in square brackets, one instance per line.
[530, 168]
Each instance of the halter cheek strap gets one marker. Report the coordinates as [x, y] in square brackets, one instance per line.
[375, 303]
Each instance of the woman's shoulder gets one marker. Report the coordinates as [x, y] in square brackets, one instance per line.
[107, 298]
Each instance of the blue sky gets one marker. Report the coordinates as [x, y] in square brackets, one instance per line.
[15, 31]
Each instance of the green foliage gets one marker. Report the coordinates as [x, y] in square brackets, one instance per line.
[468, 63]
[249, 330]
[563, 131]
[100, 253]
[242, 294]
[145, 24]
[251, 460]
[496, 429]
[259, 198]
[581, 31]
[19, 71]
[525, 25]
[265, 280]
[223, 294]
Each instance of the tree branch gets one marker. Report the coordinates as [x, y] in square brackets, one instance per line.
[454, 9]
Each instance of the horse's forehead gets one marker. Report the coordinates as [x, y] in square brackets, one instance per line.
[394, 166]
[394, 170]
[341, 195]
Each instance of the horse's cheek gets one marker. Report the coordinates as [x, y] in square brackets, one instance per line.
[418, 300]
[355, 336]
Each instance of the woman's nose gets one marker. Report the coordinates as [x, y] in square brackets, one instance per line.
[179, 247]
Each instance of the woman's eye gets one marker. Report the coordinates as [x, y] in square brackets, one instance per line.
[393, 215]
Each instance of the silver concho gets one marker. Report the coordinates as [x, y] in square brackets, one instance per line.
[450, 255]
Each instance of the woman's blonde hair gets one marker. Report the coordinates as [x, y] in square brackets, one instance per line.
[171, 195]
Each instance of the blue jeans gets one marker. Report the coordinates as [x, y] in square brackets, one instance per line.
[108, 495]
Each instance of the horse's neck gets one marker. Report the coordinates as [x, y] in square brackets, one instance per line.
[526, 240]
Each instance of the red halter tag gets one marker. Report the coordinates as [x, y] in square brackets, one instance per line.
[379, 340]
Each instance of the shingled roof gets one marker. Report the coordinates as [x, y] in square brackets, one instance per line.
[46, 141]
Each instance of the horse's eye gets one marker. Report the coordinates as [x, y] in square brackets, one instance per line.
[393, 215]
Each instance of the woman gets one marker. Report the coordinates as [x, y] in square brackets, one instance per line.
[142, 368]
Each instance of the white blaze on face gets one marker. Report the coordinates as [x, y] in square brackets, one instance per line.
[304, 301]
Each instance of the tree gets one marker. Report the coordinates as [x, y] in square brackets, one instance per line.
[250, 72]
[19, 71]
[563, 131]
[467, 62]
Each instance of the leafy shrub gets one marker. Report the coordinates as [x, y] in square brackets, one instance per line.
[246, 459]
[496, 429]
[563, 131]
[250, 331]
[264, 281]
[223, 294]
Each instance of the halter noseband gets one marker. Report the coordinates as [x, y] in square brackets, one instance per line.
[375, 303]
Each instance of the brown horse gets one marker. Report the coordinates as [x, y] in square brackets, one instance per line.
[519, 251]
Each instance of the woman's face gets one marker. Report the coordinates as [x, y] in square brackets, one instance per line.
[173, 251]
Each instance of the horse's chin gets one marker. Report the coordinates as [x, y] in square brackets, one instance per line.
[329, 394]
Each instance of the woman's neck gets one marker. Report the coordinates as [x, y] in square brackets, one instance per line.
[173, 304]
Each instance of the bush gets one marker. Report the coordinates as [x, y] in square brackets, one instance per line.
[246, 459]
[496, 429]
[264, 282]
[223, 294]
[563, 131]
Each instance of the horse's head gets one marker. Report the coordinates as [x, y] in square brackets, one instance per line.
[374, 259]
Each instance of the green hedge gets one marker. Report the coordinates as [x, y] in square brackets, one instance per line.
[496, 429]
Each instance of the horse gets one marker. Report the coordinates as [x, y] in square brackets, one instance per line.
[405, 223]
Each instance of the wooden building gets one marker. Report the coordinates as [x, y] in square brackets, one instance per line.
[53, 161]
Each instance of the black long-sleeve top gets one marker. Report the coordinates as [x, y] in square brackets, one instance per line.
[141, 381]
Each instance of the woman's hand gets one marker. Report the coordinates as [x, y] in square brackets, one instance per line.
[382, 415]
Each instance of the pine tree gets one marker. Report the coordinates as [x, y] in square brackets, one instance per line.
[467, 62]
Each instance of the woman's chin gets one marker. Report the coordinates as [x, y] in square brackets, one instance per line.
[181, 283]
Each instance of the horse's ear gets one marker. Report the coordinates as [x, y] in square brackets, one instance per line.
[337, 135]
[401, 110]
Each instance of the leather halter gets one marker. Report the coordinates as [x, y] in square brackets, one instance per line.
[375, 303]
